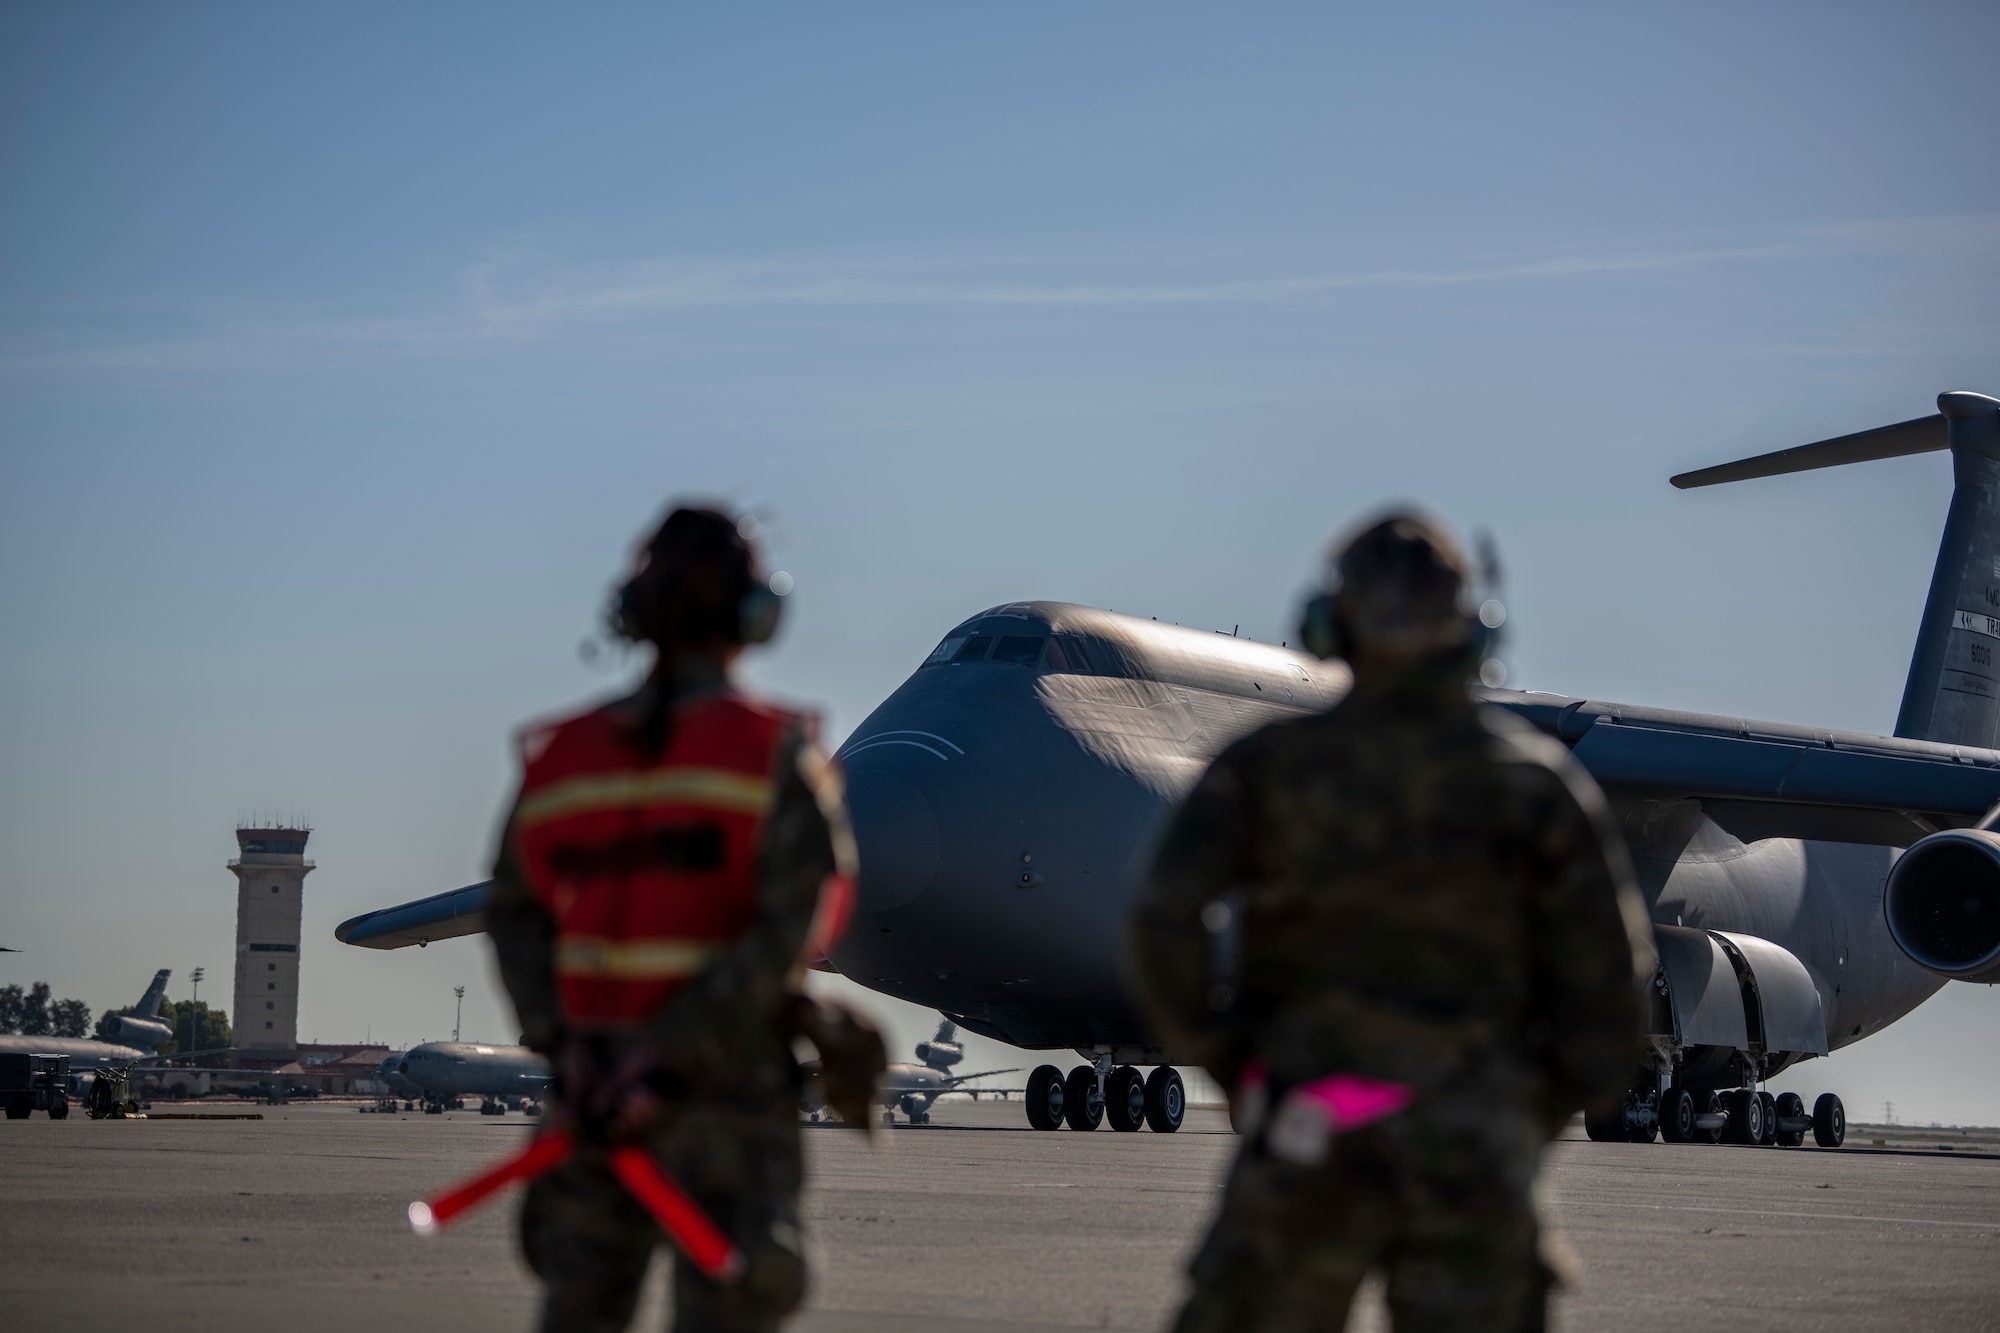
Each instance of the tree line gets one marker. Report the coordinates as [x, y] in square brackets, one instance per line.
[35, 1013]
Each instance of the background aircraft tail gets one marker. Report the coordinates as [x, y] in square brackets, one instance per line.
[1953, 691]
[149, 1003]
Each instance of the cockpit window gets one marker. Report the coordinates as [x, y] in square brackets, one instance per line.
[944, 651]
[1077, 655]
[975, 648]
[1021, 649]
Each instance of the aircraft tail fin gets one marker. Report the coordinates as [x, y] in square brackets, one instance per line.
[1952, 694]
[149, 1003]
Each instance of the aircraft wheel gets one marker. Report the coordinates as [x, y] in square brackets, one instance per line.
[1677, 1115]
[1746, 1116]
[1045, 1097]
[20, 1108]
[1125, 1099]
[1791, 1106]
[1712, 1104]
[1642, 1133]
[1770, 1105]
[60, 1111]
[1081, 1106]
[1829, 1121]
[1606, 1126]
[1166, 1099]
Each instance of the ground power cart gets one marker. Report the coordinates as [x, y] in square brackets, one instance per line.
[31, 1083]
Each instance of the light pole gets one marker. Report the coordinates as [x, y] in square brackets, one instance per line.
[459, 991]
[194, 1017]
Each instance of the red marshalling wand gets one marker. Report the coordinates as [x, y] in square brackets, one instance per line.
[678, 1215]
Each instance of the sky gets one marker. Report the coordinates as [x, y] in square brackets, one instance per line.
[345, 352]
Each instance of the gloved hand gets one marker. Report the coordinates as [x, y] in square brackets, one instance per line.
[603, 1100]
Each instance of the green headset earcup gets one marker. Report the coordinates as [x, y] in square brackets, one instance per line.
[1319, 627]
[757, 614]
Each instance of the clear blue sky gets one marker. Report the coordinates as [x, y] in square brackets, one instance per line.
[344, 350]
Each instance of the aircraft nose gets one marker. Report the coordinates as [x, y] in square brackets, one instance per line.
[896, 832]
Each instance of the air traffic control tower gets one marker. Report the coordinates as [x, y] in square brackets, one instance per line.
[270, 899]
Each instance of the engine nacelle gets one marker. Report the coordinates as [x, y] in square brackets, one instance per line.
[1943, 904]
[143, 1032]
[940, 1054]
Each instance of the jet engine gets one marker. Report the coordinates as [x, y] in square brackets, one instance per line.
[939, 1054]
[142, 1032]
[1943, 904]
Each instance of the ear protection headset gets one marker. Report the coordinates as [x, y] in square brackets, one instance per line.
[757, 613]
[1323, 631]
[758, 604]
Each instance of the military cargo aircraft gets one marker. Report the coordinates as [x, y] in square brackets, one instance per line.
[1807, 887]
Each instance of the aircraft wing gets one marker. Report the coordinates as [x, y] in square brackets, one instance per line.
[441, 916]
[1772, 780]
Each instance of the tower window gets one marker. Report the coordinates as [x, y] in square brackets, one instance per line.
[270, 1004]
[272, 966]
[270, 985]
[267, 1027]
[274, 888]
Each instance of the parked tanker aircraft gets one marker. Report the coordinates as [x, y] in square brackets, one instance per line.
[440, 1074]
[1807, 887]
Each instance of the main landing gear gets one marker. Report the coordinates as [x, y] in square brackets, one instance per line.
[1733, 1115]
[1093, 1093]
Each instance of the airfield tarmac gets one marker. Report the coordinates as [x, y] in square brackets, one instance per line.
[973, 1224]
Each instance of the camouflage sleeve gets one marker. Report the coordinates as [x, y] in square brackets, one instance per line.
[1593, 947]
[733, 1006]
[1169, 952]
[523, 934]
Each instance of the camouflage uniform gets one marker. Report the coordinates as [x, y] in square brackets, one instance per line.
[1428, 892]
[724, 1066]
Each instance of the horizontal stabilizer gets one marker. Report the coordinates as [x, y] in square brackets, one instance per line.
[1921, 436]
[441, 916]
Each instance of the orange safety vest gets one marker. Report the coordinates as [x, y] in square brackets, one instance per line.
[648, 865]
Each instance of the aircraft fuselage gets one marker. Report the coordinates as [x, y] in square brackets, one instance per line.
[1006, 796]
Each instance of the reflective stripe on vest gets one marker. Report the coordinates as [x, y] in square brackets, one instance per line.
[646, 863]
[713, 787]
[631, 960]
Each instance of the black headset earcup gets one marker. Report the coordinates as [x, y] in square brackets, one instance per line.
[622, 616]
[757, 614]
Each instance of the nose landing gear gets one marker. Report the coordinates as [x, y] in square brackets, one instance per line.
[1128, 1099]
[1046, 1097]
[1125, 1099]
[1083, 1105]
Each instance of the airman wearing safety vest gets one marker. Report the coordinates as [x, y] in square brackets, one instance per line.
[672, 862]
